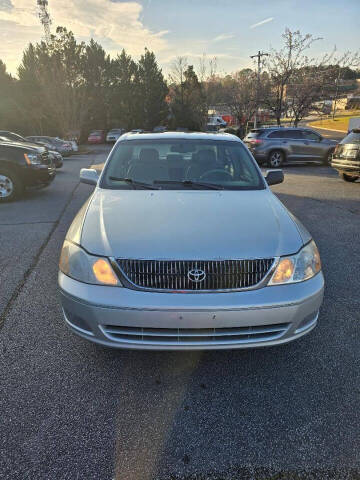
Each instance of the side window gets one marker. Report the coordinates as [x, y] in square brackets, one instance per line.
[276, 134]
[310, 136]
[293, 134]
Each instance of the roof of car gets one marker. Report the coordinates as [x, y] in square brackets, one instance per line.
[179, 136]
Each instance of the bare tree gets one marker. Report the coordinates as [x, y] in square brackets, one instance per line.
[347, 60]
[280, 66]
[178, 68]
[240, 93]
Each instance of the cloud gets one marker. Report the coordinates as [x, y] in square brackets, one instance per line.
[117, 24]
[223, 36]
[267, 20]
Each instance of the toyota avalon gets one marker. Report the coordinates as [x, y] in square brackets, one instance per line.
[182, 245]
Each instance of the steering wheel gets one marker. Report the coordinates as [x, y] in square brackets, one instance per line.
[217, 173]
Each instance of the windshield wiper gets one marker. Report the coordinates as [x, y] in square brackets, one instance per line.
[134, 183]
[190, 183]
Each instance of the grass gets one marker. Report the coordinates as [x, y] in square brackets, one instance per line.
[98, 167]
[340, 122]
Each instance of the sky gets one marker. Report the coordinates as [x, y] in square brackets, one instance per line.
[230, 30]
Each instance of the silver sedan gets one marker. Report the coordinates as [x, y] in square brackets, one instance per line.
[183, 246]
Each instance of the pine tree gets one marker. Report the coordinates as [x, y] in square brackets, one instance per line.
[151, 89]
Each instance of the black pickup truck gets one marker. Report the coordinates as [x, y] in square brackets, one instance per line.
[23, 165]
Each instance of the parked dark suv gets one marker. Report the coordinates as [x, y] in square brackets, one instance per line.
[61, 146]
[277, 145]
[23, 165]
[346, 158]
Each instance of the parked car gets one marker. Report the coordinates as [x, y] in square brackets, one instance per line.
[10, 136]
[212, 128]
[217, 120]
[96, 136]
[114, 134]
[73, 143]
[354, 123]
[159, 129]
[52, 143]
[57, 158]
[75, 146]
[346, 157]
[137, 130]
[183, 246]
[23, 165]
[275, 146]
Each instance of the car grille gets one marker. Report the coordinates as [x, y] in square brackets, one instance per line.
[194, 275]
[194, 336]
[348, 163]
[45, 158]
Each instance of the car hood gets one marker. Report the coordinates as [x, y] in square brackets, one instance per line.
[188, 225]
[329, 141]
[24, 145]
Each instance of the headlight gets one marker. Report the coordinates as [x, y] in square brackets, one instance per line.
[32, 158]
[299, 267]
[79, 265]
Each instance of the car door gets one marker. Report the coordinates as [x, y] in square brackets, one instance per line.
[313, 145]
[296, 144]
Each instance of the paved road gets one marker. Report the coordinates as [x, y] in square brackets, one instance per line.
[329, 133]
[72, 410]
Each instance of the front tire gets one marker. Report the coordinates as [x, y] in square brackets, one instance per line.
[348, 178]
[276, 159]
[11, 187]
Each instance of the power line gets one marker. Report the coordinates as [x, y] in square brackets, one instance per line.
[45, 18]
[258, 56]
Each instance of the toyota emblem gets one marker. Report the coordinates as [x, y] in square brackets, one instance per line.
[196, 275]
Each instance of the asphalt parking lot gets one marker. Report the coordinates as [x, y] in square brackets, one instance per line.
[73, 410]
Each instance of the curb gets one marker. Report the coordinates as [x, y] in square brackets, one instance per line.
[328, 129]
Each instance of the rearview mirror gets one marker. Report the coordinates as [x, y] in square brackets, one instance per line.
[89, 176]
[273, 177]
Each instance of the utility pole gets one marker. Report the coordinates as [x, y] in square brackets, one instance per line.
[45, 19]
[258, 56]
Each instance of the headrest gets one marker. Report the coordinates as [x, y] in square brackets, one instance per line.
[206, 156]
[148, 155]
[174, 158]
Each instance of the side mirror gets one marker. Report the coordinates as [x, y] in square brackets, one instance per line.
[89, 176]
[273, 177]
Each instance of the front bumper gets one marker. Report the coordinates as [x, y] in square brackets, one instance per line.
[351, 165]
[260, 157]
[66, 153]
[39, 175]
[124, 318]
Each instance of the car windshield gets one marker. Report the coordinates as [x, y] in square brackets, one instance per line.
[180, 164]
[96, 132]
[12, 136]
[353, 137]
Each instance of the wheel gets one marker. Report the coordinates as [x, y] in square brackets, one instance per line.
[276, 159]
[11, 186]
[348, 178]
